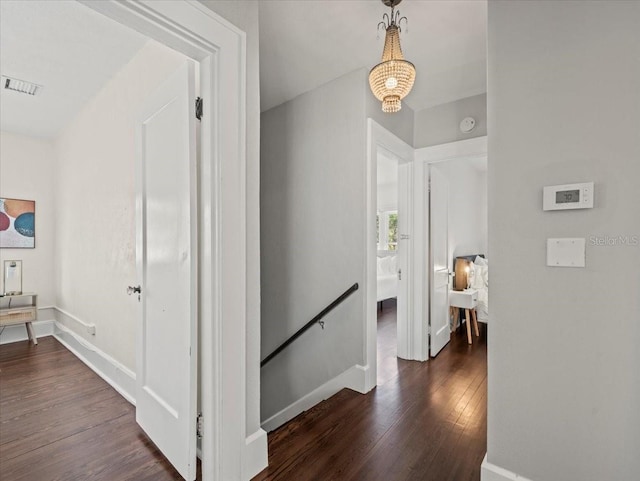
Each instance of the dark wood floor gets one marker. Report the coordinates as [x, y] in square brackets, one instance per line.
[60, 421]
[426, 422]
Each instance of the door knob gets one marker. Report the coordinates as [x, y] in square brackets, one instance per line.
[134, 289]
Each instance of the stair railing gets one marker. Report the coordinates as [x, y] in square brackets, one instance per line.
[317, 319]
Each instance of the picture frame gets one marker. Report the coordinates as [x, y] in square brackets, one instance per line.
[17, 223]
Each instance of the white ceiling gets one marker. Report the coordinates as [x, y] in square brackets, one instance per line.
[69, 49]
[306, 43]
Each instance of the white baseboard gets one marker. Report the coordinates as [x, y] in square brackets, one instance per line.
[255, 454]
[115, 374]
[353, 378]
[119, 377]
[359, 379]
[491, 472]
[66, 318]
[18, 332]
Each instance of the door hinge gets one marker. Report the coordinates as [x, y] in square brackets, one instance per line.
[199, 108]
[199, 425]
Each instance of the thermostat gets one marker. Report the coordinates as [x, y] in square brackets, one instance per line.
[568, 196]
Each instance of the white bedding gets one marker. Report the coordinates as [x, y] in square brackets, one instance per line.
[480, 282]
[387, 278]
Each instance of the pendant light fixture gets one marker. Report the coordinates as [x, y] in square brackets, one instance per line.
[392, 79]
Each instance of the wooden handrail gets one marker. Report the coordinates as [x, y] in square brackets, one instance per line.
[300, 331]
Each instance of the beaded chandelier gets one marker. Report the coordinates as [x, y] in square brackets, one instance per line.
[392, 79]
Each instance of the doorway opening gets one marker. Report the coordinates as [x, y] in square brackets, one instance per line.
[196, 35]
[463, 165]
[388, 268]
[389, 254]
[457, 216]
[455, 177]
[89, 117]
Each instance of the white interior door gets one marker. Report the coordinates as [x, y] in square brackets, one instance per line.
[166, 249]
[404, 266]
[439, 231]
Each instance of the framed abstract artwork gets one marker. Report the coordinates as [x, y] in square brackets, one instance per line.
[17, 223]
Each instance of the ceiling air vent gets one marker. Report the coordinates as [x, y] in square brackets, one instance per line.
[21, 86]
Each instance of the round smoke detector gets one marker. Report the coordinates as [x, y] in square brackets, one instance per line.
[467, 125]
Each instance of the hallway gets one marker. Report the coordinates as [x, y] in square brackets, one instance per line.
[424, 422]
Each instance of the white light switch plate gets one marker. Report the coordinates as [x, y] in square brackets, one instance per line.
[566, 252]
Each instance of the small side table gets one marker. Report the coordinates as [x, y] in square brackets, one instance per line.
[467, 300]
[20, 309]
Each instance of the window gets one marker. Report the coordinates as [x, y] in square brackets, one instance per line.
[387, 230]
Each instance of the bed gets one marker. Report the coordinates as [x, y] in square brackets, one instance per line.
[387, 273]
[479, 280]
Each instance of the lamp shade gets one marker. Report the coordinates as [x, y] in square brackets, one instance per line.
[392, 79]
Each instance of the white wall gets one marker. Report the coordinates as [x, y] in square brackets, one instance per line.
[441, 124]
[27, 167]
[467, 207]
[244, 14]
[312, 223]
[94, 198]
[564, 350]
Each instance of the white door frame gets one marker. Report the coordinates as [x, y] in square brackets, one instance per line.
[196, 31]
[462, 149]
[378, 138]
